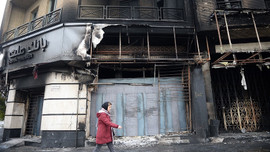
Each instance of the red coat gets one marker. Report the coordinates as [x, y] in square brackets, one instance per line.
[104, 132]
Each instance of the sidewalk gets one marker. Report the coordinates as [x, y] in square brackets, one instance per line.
[251, 142]
[1, 130]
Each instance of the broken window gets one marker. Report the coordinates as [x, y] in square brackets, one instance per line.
[229, 4]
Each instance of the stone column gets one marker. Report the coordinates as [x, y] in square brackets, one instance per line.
[209, 92]
[64, 112]
[14, 115]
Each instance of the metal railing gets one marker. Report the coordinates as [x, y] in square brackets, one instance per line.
[130, 12]
[39, 23]
[234, 4]
[172, 14]
[118, 12]
[150, 13]
[95, 12]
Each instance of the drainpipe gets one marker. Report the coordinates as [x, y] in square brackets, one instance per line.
[77, 114]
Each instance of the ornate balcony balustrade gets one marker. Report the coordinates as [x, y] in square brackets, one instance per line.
[39, 23]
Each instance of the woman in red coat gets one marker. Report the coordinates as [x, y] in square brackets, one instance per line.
[104, 131]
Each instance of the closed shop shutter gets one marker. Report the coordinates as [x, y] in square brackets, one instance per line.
[143, 106]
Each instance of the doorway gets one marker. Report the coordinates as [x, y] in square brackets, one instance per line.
[34, 112]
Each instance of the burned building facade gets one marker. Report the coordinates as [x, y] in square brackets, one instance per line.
[154, 60]
[236, 33]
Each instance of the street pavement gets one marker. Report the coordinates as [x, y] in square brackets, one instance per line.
[243, 146]
[230, 142]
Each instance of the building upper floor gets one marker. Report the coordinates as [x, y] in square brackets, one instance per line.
[237, 13]
[25, 16]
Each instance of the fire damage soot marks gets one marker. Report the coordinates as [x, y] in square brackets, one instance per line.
[93, 33]
[25, 53]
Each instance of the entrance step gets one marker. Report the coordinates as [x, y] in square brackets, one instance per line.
[25, 141]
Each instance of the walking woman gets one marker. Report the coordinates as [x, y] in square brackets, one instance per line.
[104, 131]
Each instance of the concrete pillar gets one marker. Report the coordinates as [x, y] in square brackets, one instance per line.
[208, 91]
[64, 112]
[199, 107]
[14, 115]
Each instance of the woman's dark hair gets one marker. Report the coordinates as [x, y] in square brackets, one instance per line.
[106, 105]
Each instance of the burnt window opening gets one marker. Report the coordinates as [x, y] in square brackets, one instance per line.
[160, 3]
[135, 45]
[267, 4]
[229, 4]
[126, 71]
[129, 3]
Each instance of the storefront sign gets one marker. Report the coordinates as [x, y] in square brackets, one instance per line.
[26, 53]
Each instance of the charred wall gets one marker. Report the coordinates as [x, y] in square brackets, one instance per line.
[205, 9]
[69, 13]
[253, 4]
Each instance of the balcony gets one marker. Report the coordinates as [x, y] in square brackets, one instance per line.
[131, 13]
[37, 24]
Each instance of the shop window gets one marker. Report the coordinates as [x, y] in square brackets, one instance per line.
[229, 4]
[52, 5]
[267, 4]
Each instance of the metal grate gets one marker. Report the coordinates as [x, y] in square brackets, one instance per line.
[93, 12]
[237, 108]
[34, 115]
[130, 12]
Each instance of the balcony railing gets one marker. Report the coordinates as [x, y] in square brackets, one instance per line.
[39, 23]
[235, 4]
[130, 13]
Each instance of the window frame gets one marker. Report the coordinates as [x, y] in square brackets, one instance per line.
[229, 3]
[34, 14]
[52, 5]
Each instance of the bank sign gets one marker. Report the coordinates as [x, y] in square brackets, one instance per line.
[58, 44]
[25, 52]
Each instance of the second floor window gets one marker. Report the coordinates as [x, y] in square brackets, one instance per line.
[34, 14]
[52, 5]
[229, 4]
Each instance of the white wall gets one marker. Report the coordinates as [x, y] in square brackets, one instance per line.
[61, 103]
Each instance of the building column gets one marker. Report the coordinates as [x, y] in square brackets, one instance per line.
[64, 112]
[14, 115]
[199, 106]
[209, 92]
